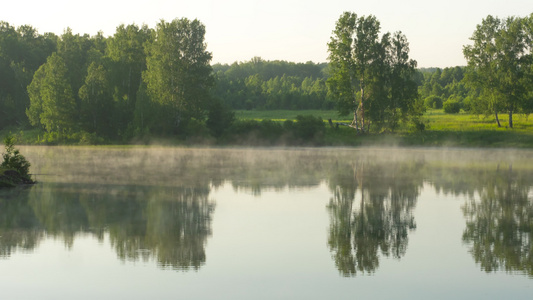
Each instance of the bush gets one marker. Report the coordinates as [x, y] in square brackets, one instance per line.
[433, 102]
[219, 118]
[13, 159]
[468, 104]
[452, 107]
[307, 127]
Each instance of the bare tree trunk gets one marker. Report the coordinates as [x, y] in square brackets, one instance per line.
[362, 103]
[510, 118]
[497, 119]
[355, 121]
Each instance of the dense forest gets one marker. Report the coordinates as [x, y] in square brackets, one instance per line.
[160, 81]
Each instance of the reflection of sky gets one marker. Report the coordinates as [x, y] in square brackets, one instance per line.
[272, 246]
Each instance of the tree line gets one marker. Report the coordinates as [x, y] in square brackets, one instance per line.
[260, 84]
[140, 80]
[145, 81]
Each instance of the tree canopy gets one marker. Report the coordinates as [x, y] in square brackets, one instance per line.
[500, 65]
[371, 76]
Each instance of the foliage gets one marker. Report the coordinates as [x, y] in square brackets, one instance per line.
[371, 77]
[433, 102]
[308, 127]
[52, 101]
[178, 74]
[12, 159]
[219, 118]
[499, 64]
[22, 52]
[452, 107]
[272, 85]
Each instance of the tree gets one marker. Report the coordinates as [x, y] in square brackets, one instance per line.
[14, 160]
[371, 77]
[22, 52]
[352, 50]
[498, 62]
[127, 61]
[371, 217]
[51, 96]
[498, 230]
[95, 100]
[179, 74]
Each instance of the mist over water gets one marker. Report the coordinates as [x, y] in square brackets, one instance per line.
[260, 218]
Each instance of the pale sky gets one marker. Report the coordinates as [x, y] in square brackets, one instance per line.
[291, 30]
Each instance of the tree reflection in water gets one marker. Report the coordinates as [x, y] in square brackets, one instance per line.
[499, 225]
[379, 221]
[168, 224]
[165, 216]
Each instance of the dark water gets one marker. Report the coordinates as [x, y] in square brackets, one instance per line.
[168, 223]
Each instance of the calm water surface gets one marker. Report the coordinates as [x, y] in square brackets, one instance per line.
[169, 223]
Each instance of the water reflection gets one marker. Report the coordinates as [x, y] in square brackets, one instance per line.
[378, 221]
[155, 204]
[499, 223]
[168, 224]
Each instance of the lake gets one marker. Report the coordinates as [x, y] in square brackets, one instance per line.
[175, 223]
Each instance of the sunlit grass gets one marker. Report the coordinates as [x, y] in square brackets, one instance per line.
[440, 121]
[463, 130]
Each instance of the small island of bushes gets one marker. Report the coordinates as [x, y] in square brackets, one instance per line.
[15, 168]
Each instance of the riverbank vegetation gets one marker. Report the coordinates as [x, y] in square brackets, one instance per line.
[14, 169]
[145, 85]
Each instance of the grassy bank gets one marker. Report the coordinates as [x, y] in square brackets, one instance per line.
[442, 130]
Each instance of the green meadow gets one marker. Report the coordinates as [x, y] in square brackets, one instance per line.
[442, 130]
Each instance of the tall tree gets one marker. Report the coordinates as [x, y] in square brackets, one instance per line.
[125, 51]
[403, 88]
[372, 77]
[352, 51]
[52, 97]
[22, 52]
[96, 100]
[497, 64]
[179, 74]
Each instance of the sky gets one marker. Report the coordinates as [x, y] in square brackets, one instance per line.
[291, 30]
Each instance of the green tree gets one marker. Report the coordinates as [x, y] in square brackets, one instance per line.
[352, 51]
[52, 98]
[370, 75]
[381, 217]
[95, 100]
[499, 227]
[13, 159]
[127, 61]
[22, 52]
[497, 64]
[179, 74]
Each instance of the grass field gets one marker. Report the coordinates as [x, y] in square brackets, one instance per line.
[459, 130]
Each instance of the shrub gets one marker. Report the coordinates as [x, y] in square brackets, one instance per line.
[270, 130]
[452, 106]
[307, 127]
[468, 104]
[13, 159]
[219, 118]
[433, 102]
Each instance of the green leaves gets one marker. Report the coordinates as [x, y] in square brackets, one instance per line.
[12, 159]
[371, 77]
[179, 74]
[499, 63]
[52, 101]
